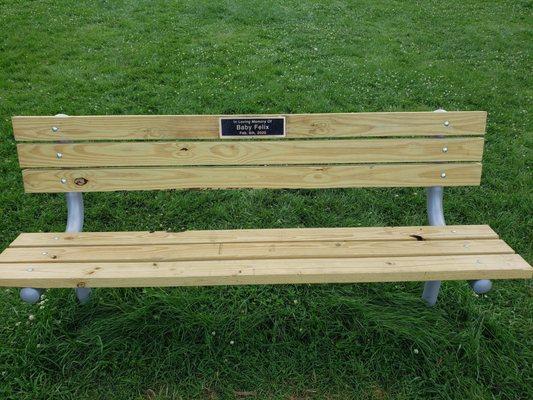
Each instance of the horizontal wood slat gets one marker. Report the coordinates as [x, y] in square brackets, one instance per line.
[135, 127]
[268, 256]
[243, 251]
[402, 233]
[280, 271]
[119, 154]
[273, 177]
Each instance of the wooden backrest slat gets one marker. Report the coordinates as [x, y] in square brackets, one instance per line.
[107, 153]
[351, 151]
[184, 127]
[271, 177]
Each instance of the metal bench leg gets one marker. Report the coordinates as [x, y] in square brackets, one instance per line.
[75, 224]
[431, 292]
[30, 295]
[481, 286]
[435, 212]
[436, 218]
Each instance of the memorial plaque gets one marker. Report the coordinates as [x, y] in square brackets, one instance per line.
[252, 127]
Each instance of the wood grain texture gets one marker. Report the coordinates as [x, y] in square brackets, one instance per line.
[251, 251]
[273, 177]
[279, 271]
[124, 154]
[266, 256]
[401, 233]
[135, 127]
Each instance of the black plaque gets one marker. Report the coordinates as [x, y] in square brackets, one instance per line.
[235, 127]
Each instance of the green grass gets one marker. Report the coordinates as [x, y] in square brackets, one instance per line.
[369, 341]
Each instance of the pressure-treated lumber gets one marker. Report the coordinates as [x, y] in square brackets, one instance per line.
[119, 154]
[390, 161]
[243, 251]
[273, 177]
[135, 127]
[278, 271]
[309, 255]
[402, 233]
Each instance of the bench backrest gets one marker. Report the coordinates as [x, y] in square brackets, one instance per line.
[107, 153]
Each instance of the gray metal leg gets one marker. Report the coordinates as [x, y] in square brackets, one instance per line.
[481, 286]
[75, 224]
[435, 212]
[83, 294]
[75, 212]
[30, 295]
[431, 292]
[435, 196]
[436, 218]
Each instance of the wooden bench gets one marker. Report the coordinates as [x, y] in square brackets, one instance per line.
[75, 154]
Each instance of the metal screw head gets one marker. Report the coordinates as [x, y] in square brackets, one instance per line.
[63, 180]
[44, 253]
[59, 155]
[29, 269]
[446, 123]
[55, 128]
[443, 175]
[444, 149]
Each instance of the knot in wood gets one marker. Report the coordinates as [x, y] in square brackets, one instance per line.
[80, 181]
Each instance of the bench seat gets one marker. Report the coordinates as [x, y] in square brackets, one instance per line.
[259, 256]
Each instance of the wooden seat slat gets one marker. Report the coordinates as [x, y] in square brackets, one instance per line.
[279, 271]
[395, 233]
[239, 251]
[138, 127]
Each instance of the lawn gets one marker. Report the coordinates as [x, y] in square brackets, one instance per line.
[364, 341]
